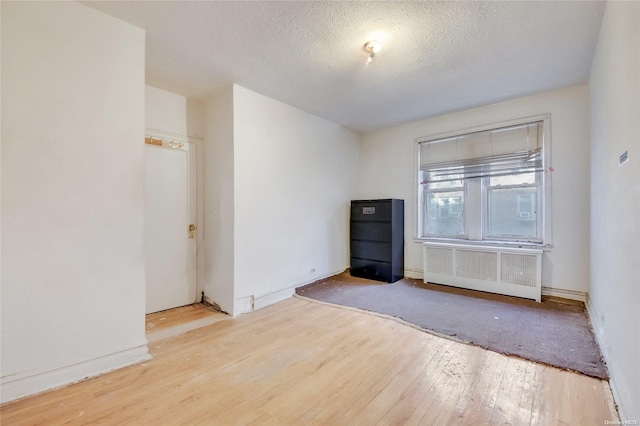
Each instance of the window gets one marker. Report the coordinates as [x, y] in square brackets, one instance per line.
[511, 207]
[444, 208]
[485, 185]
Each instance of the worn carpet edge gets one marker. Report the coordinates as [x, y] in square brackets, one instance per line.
[447, 336]
[385, 316]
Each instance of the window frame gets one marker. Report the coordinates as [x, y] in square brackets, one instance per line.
[479, 236]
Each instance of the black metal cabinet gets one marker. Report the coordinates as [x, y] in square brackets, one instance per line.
[377, 239]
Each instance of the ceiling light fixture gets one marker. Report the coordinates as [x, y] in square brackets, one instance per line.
[372, 47]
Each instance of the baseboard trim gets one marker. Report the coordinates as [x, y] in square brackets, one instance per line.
[33, 382]
[417, 274]
[251, 303]
[546, 291]
[242, 305]
[598, 332]
[565, 294]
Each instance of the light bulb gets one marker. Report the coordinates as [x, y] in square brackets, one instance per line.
[372, 47]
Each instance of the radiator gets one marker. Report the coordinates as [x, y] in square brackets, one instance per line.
[502, 270]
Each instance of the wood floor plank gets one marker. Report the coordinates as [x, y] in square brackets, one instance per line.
[374, 373]
[506, 403]
[462, 384]
[173, 317]
[436, 380]
[299, 362]
[482, 401]
[367, 373]
[526, 397]
[414, 396]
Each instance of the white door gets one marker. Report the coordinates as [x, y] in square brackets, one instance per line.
[169, 211]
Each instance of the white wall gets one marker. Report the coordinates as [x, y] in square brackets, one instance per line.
[295, 174]
[615, 201]
[72, 186]
[171, 113]
[219, 227]
[388, 171]
[0, 204]
[277, 187]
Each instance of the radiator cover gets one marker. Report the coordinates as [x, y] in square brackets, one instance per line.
[502, 270]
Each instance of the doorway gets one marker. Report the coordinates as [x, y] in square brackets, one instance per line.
[170, 224]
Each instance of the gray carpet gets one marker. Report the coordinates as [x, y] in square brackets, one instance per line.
[557, 334]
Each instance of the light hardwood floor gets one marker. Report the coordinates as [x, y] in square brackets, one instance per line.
[179, 316]
[299, 362]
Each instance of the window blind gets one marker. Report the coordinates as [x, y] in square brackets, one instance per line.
[497, 152]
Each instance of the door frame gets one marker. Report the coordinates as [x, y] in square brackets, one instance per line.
[195, 153]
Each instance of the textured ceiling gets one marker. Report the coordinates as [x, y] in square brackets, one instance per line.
[436, 57]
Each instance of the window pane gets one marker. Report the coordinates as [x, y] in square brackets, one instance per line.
[447, 184]
[444, 213]
[524, 178]
[512, 212]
